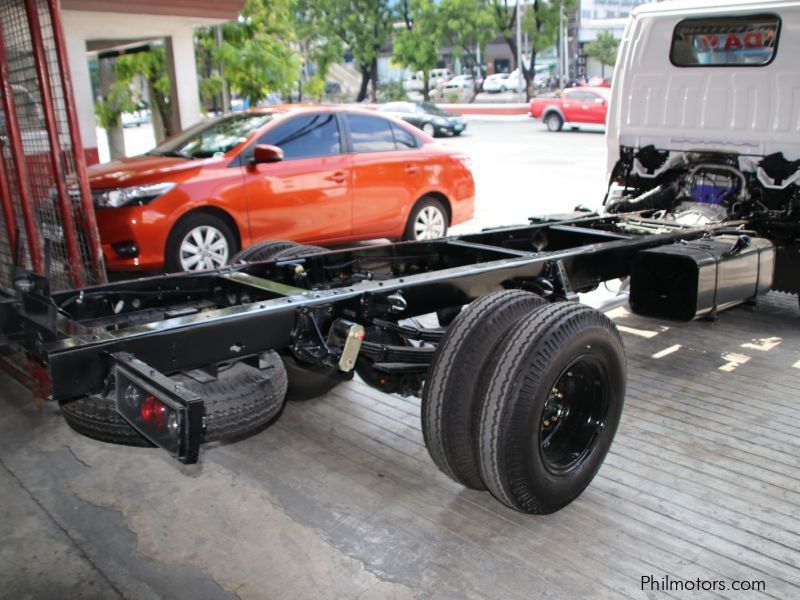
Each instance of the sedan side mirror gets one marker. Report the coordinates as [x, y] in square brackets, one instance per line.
[266, 153]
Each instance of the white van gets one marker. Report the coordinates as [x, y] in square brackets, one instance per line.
[704, 120]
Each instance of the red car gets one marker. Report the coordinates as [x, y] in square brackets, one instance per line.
[320, 175]
[576, 106]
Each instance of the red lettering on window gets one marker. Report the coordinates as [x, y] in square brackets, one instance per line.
[733, 42]
[709, 42]
[754, 39]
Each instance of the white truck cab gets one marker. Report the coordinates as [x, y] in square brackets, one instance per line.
[704, 121]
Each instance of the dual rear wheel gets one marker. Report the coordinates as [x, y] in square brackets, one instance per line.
[523, 398]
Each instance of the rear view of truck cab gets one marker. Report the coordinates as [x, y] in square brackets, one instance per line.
[704, 122]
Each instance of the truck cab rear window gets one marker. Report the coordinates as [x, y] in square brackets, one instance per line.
[749, 40]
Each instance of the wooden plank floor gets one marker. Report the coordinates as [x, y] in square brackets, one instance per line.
[702, 482]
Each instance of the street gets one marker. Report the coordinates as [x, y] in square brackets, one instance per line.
[521, 169]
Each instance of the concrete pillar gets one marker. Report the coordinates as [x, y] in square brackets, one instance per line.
[183, 77]
[82, 89]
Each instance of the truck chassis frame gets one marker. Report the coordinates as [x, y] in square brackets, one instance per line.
[315, 307]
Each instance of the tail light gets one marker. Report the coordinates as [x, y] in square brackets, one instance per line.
[163, 411]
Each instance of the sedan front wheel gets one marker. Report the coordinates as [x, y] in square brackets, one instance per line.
[200, 242]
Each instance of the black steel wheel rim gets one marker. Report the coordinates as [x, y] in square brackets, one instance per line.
[574, 414]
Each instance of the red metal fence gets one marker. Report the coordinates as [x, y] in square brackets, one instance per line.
[46, 218]
[45, 198]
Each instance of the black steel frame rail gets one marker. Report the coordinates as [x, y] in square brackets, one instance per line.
[79, 358]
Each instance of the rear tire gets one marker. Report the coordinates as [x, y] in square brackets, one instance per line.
[427, 221]
[554, 397]
[554, 122]
[242, 400]
[453, 396]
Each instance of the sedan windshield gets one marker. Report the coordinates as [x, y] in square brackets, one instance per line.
[212, 138]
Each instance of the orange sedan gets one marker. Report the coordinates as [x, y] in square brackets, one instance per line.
[320, 175]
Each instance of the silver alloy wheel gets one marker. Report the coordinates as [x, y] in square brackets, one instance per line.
[554, 122]
[429, 129]
[202, 248]
[429, 224]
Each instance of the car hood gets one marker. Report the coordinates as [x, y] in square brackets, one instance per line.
[137, 170]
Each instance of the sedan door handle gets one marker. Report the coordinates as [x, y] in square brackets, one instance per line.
[337, 177]
[411, 169]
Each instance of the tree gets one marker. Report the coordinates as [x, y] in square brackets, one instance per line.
[318, 46]
[604, 50]
[365, 27]
[214, 89]
[467, 25]
[152, 67]
[120, 96]
[257, 50]
[540, 21]
[417, 46]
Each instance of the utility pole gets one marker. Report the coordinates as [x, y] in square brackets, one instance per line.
[561, 44]
[520, 77]
[565, 41]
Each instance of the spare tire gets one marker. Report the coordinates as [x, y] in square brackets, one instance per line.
[274, 249]
[240, 401]
[262, 251]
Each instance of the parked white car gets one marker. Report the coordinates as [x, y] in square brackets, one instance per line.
[495, 83]
[463, 85]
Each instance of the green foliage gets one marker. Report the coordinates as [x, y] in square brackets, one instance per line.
[122, 97]
[391, 92]
[152, 66]
[540, 19]
[604, 48]
[467, 24]
[363, 26]
[258, 50]
[119, 100]
[320, 46]
[417, 46]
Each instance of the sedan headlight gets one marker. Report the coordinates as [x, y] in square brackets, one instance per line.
[137, 194]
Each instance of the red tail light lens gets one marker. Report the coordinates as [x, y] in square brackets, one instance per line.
[153, 412]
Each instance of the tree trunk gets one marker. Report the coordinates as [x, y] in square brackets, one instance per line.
[365, 76]
[116, 138]
[374, 74]
[159, 127]
[426, 85]
[603, 70]
[512, 45]
[530, 74]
